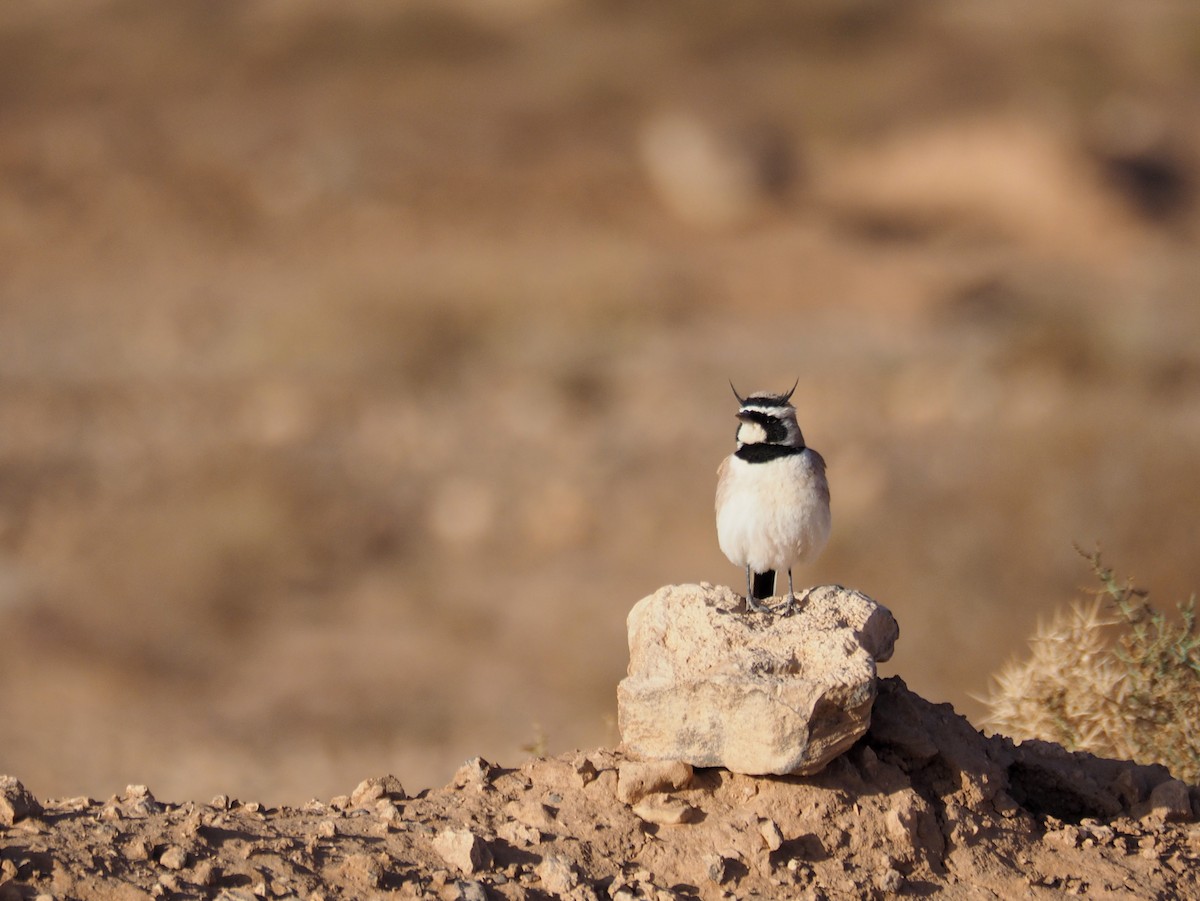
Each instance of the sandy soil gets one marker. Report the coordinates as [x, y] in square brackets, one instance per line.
[361, 364]
[923, 806]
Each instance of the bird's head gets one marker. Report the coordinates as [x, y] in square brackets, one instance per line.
[765, 418]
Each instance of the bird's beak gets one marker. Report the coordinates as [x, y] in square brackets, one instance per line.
[743, 416]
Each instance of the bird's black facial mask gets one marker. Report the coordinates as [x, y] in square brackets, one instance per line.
[773, 427]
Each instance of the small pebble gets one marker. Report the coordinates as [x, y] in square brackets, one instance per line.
[890, 881]
[137, 850]
[664, 810]
[169, 882]
[241, 894]
[174, 858]
[463, 849]
[205, 873]
[557, 874]
[769, 830]
[476, 772]
[468, 890]
[586, 772]
[720, 869]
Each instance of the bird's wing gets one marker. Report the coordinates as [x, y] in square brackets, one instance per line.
[722, 482]
[818, 465]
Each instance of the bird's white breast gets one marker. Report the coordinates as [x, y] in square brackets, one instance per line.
[773, 515]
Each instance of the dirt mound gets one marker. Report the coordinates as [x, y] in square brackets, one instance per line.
[923, 805]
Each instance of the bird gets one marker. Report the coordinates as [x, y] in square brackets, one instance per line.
[772, 496]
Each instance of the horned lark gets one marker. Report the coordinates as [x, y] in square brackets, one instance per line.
[772, 496]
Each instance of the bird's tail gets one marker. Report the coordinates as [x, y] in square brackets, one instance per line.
[764, 585]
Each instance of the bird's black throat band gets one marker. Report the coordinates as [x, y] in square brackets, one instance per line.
[764, 453]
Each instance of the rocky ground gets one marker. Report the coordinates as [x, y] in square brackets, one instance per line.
[923, 806]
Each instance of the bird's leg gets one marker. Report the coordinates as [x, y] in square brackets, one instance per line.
[750, 603]
[791, 595]
[793, 601]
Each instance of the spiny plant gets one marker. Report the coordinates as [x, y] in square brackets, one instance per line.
[1115, 677]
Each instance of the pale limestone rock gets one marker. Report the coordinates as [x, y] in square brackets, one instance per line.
[756, 693]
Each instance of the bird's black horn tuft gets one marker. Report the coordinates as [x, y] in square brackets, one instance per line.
[741, 400]
[787, 397]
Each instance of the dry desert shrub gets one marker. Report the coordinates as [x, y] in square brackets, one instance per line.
[1115, 677]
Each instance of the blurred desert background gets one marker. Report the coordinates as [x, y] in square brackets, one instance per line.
[361, 364]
